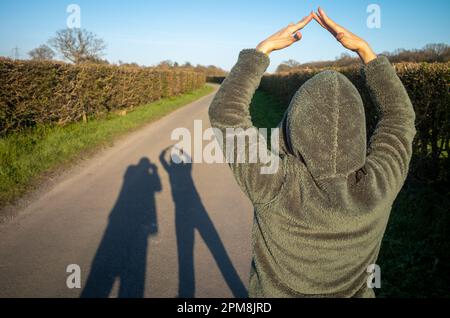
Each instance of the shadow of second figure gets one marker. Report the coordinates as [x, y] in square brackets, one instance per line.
[122, 254]
[190, 214]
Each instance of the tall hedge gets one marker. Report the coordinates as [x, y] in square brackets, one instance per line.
[49, 92]
[428, 86]
[215, 79]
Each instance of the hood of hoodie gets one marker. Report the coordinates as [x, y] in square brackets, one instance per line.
[325, 126]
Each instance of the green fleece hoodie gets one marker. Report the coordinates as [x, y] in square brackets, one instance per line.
[320, 219]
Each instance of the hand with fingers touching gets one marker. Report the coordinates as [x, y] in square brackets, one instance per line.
[345, 37]
[285, 37]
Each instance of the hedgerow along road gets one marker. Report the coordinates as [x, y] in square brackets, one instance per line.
[123, 224]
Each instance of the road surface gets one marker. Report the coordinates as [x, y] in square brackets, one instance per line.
[132, 226]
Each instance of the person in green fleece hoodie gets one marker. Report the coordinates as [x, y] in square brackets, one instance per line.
[320, 219]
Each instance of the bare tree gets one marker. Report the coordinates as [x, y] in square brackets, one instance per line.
[78, 45]
[437, 51]
[437, 48]
[287, 66]
[292, 63]
[165, 64]
[42, 53]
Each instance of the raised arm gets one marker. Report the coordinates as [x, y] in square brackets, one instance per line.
[348, 40]
[230, 109]
[162, 159]
[390, 147]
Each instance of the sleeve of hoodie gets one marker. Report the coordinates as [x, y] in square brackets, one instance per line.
[231, 109]
[390, 148]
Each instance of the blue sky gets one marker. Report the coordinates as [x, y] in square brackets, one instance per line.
[214, 31]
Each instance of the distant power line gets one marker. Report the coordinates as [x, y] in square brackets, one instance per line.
[15, 53]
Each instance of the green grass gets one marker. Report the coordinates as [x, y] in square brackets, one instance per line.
[414, 257]
[27, 156]
[266, 110]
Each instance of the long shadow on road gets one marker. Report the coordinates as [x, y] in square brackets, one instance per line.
[191, 215]
[122, 253]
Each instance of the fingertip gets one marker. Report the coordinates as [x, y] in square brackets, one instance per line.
[318, 20]
[321, 12]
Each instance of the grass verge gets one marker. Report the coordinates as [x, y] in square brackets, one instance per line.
[26, 156]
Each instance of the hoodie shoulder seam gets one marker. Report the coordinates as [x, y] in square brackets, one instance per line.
[336, 141]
